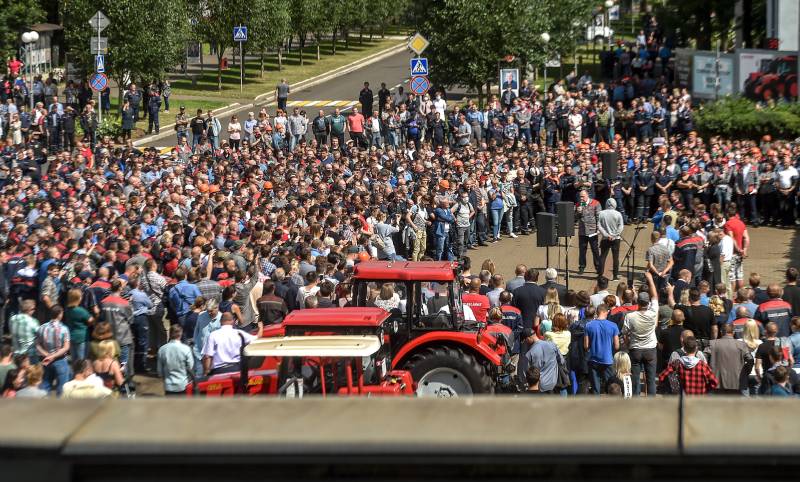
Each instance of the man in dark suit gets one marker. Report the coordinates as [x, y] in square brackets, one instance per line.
[365, 97]
[529, 297]
[551, 281]
[746, 188]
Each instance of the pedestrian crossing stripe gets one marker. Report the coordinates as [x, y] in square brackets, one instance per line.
[321, 103]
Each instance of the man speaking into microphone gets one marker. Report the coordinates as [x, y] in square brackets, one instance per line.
[587, 211]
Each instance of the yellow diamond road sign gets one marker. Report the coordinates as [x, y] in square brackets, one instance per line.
[418, 43]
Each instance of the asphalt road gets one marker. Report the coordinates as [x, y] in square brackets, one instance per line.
[341, 91]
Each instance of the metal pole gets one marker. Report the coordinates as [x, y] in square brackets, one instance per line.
[241, 68]
[716, 74]
[30, 72]
[99, 93]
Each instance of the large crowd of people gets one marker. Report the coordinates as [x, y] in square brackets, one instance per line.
[118, 260]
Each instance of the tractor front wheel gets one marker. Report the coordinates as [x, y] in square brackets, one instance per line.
[444, 372]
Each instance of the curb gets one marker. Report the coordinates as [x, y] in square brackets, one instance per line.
[163, 135]
[269, 97]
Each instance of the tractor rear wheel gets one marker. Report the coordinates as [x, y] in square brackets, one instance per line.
[444, 372]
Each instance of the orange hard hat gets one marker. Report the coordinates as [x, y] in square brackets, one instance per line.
[267, 185]
[444, 183]
[457, 163]
[363, 256]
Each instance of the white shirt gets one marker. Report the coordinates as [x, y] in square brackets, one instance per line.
[726, 246]
[785, 177]
[440, 105]
[670, 244]
[223, 345]
[640, 327]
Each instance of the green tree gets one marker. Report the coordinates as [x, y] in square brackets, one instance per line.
[268, 30]
[305, 14]
[469, 38]
[15, 17]
[139, 47]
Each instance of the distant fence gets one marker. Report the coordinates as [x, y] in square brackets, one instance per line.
[496, 438]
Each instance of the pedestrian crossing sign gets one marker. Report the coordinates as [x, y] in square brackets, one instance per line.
[240, 34]
[419, 66]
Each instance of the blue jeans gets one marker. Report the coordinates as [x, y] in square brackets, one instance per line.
[376, 140]
[196, 139]
[77, 350]
[182, 135]
[443, 251]
[497, 215]
[141, 339]
[600, 375]
[59, 372]
[125, 360]
[525, 133]
[393, 138]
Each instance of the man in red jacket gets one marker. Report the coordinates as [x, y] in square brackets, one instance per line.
[696, 377]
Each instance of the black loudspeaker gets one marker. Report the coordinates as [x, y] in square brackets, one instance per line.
[566, 219]
[546, 234]
[610, 163]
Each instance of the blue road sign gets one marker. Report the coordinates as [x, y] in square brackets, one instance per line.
[420, 84]
[100, 63]
[240, 34]
[98, 82]
[419, 66]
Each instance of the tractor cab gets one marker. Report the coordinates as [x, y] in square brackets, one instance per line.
[429, 292]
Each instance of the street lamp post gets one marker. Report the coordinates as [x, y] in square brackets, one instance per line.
[608, 4]
[29, 39]
[545, 38]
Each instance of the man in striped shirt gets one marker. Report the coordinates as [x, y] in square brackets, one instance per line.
[52, 345]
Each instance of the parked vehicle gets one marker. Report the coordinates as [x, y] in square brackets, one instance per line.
[776, 79]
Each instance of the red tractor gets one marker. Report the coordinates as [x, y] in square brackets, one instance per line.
[776, 79]
[334, 351]
[425, 345]
[446, 354]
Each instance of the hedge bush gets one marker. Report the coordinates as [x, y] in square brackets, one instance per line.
[740, 118]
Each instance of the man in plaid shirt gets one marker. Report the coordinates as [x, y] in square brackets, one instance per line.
[694, 374]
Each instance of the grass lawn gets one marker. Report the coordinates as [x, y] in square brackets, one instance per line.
[255, 84]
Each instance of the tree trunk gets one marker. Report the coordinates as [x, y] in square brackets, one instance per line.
[219, 68]
[704, 35]
[371, 33]
[202, 69]
[361, 36]
[280, 58]
[261, 59]
[301, 39]
[316, 37]
[747, 23]
[480, 96]
[346, 35]
[333, 43]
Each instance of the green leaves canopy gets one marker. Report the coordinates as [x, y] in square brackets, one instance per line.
[15, 17]
[145, 37]
[469, 37]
